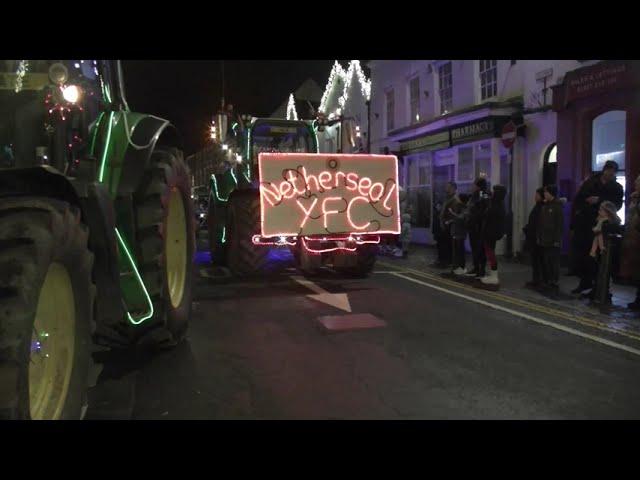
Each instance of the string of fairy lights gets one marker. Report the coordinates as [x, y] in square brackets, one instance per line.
[339, 76]
[292, 114]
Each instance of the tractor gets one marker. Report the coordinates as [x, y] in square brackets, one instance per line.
[248, 215]
[97, 232]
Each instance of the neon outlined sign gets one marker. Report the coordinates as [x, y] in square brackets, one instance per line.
[320, 194]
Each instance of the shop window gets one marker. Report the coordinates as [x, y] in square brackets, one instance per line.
[488, 78]
[608, 143]
[482, 158]
[414, 99]
[445, 88]
[608, 139]
[390, 97]
[465, 165]
[550, 166]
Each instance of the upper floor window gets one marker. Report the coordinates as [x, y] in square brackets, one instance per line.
[445, 87]
[414, 99]
[488, 78]
[390, 97]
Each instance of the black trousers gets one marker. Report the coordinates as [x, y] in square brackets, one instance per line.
[477, 250]
[445, 252]
[583, 263]
[458, 252]
[551, 265]
[537, 263]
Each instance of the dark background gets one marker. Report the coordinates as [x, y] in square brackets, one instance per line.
[188, 92]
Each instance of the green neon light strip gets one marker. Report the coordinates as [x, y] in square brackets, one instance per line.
[135, 270]
[95, 132]
[234, 176]
[248, 174]
[103, 163]
[234, 126]
[224, 235]
[215, 189]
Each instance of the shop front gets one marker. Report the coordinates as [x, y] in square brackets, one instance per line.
[598, 115]
[460, 153]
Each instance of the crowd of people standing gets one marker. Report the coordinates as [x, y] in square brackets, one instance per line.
[595, 233]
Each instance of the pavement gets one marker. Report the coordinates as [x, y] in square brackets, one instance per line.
[257, 349]
[513, 277]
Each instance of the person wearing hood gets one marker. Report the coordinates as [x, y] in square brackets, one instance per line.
[476, 210]
[549, 237]
[493, 230]
[531, 244]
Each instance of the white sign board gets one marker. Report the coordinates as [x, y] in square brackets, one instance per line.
[327, 194]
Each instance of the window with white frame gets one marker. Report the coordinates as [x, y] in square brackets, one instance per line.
[390, 97]
[414, 99]
[445, 87]
[488, 78]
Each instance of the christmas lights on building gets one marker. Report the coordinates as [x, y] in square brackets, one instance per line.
[20, 73]
[292, 114]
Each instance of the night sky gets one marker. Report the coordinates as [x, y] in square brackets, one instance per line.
[188, 92]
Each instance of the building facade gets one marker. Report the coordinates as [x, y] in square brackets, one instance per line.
[445, 119]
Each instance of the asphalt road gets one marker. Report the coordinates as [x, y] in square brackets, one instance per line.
[257, 351]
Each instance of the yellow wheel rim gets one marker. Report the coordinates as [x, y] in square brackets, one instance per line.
[175, 247]
[52, 345]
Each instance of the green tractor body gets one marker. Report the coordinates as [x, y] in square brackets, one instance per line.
[84, 182]
[238, 227]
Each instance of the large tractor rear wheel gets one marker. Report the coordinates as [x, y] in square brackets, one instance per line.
[243, 222]
[46, 309]
[166, 244]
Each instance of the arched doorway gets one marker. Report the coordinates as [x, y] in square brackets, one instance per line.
[550, 165]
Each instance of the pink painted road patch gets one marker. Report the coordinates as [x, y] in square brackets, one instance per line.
[354, 321]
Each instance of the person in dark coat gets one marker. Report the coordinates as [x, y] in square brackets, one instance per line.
[476, 209]
[531, 241]
[492, 231]
[458, 229]
[630, 268]
[601, 187]
[445, 242]
[549, 237]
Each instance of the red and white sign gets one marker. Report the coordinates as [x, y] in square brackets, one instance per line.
[327, 194]
[509, 134]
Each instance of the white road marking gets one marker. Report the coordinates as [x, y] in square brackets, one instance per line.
[570, 330]
[337, 300]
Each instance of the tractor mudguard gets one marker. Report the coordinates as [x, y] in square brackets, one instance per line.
[147, 132]
[44, 181]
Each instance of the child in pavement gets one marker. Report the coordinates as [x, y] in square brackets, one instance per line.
[606, 213]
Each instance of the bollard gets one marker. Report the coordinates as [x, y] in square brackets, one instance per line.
[603, 280]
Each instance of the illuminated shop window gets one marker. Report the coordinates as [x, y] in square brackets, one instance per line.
[608, 143]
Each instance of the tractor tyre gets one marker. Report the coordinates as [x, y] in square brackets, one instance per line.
[243, 222]
[165, 229]
[365, 261]
[46, 309]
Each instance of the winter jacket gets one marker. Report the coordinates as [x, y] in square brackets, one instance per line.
[630, 267]
[531, 228]
[445, 216]
[495, 216]
[458, 225]
[584, 215]
[476, 209]
[550, 224]
[405, 233]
